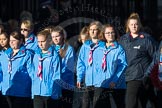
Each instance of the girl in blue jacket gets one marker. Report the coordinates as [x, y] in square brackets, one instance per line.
[110, 70]
[66, 53]
[30, 39]
[4, 41]
[16, 65]
[4, 45]
[86, 64]
[46, 77]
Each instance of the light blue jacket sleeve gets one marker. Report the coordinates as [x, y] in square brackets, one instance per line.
[30, 65]
[1, 76]
[121, 65]
[56, 77]
[81, 66]
[68, 66]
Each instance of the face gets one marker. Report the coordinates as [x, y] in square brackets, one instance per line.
[83, 38]
[109, 34]
[57, 38]
[43, 42]
[4, 41]
[133, 26]
[25, 31]
[14, 43]
[93, 31]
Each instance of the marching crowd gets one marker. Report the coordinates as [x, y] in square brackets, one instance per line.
[44, 71]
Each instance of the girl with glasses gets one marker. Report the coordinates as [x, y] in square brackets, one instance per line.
[27, 31]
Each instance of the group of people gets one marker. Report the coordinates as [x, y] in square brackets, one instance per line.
[43, 71]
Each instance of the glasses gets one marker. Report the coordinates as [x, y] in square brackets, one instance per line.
[108, 33]
[24, 29]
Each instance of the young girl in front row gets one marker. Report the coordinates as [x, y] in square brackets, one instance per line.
[16, 65]
[45, 88]
[86, 64]
[112, 76]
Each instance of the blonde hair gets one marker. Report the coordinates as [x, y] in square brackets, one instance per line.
[49, 28]
[99, 27]
[28, 24]
[84, 31]
[46, 34]
[136, 17]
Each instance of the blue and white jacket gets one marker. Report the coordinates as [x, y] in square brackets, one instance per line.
[31, 42]
[115, 66]
[68, 61]
[1, 77]
[16, 72]
[51, 74]
[84, 70]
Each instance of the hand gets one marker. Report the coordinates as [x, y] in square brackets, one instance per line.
[146, 81]
[112, 85]
[78, 84]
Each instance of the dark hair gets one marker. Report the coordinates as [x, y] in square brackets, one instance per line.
[5, 33]
[2, 28]
[8, 38]
[18, 36]
[110, 25]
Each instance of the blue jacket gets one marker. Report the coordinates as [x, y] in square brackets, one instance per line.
[68, 61]
[1, 77]
[84, 70]
[115, 66]
[49, 85]
[31, 42]
[16, 80]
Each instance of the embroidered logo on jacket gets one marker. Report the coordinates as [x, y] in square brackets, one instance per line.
[137, 47]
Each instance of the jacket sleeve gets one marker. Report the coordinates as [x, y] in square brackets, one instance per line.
[121, 66]
[56, 78]
[1, 74]
[68, 66]
[81, 66]
[151, 46]
[155, 61]
[153, 52]
[30, 65]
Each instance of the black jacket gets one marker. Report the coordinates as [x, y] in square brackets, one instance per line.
[139, 53]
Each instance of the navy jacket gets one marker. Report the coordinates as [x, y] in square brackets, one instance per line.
[139, 53]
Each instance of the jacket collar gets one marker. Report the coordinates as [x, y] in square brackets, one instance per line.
[30, 39]
[20, 53]
[48, 54]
